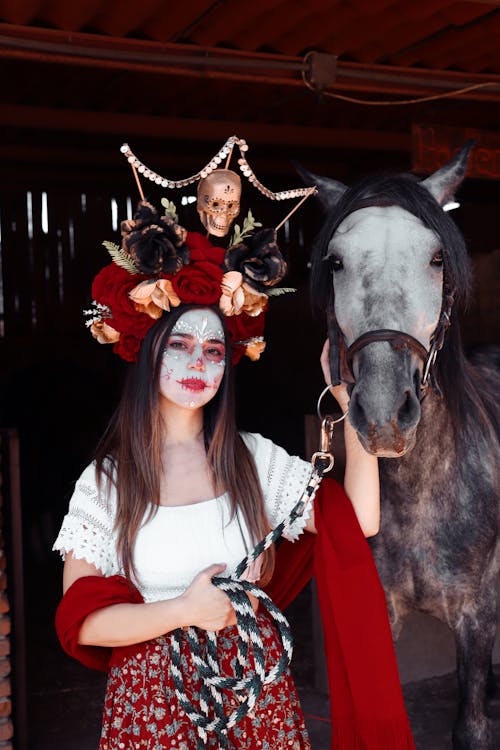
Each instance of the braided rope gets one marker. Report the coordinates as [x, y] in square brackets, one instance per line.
[246, 684]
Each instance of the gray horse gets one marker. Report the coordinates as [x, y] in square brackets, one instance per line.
[389, 268]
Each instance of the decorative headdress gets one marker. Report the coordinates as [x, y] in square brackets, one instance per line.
[160, 265]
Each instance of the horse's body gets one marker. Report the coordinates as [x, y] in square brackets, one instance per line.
[438, 552]
[396, 258]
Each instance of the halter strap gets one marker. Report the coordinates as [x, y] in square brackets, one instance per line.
[397, 339]
[400, 340]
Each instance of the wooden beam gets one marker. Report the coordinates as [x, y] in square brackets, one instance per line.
[126, 126]
[69, 16]
[119, 18]
[179, 18]
[42, 45]
[20, 11]
[221, 26]
[443, 46]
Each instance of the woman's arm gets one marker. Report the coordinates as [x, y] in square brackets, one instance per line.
[361, 480]
[202, 605]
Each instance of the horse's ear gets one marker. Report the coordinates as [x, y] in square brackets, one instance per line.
[443, 183]
[329, 191]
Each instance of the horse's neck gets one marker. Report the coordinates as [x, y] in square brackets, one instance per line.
[432, 457]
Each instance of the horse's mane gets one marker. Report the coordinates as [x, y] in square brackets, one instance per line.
[465, 397]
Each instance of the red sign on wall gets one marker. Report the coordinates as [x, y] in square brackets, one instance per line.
[433, 146]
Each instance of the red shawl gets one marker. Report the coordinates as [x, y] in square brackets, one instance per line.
[366, 702]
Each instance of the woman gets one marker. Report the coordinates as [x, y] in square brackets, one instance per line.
[174, 497]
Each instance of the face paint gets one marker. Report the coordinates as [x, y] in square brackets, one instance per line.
[194, 359]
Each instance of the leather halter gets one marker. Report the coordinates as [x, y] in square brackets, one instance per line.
[341, 357]
[400, 340]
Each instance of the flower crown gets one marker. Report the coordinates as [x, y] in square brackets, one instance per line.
[159, 265]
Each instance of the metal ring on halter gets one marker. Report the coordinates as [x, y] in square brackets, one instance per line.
[318, 406]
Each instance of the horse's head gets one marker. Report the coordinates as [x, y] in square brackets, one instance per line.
[386, 247]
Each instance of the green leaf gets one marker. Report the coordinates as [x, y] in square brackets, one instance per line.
[170, 208]
[249, 224]
[236, 236]
[120, 257]
[279, 290]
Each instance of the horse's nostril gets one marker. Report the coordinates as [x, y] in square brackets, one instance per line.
[409, 411]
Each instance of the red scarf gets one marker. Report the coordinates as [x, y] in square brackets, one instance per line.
[366, 702]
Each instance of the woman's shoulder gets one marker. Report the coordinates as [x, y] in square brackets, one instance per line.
[254, 440]
[259, 446]
[271, 459]
[95, 488]
[283, 478]
[87, 527]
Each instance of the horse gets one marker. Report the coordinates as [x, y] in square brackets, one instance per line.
[390, 269]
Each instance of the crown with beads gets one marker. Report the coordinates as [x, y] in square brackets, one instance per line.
[159, 265]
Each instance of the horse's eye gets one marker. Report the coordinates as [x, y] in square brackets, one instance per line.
[437, 259]
[337, 264]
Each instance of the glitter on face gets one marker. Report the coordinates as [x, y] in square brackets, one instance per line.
[194, 359]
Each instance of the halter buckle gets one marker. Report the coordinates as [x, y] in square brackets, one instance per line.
[319, 459]
[323, 460]
[326, 435]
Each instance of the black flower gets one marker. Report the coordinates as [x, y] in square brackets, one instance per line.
[155, 243]
[259, 259]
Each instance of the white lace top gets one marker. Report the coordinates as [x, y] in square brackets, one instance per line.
[180, 541]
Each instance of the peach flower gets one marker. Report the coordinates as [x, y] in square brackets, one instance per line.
[233, 296]
[153, 297]
[254, 349]
[255, 302]
[104, 333]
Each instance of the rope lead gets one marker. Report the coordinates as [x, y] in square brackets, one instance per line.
[246, 684]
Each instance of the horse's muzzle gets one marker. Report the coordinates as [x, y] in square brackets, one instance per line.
[385, 407]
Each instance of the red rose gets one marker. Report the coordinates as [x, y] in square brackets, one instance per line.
[127, 347]
[245, 326]
[242, 327]
[200, 248]
[198, 282]
[111, 287]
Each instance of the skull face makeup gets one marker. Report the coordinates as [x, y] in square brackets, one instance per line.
[219, 201]
[194, 359]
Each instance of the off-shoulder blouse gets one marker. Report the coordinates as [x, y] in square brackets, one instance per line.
[179, 541]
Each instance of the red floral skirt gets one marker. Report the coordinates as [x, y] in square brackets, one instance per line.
[141, 709]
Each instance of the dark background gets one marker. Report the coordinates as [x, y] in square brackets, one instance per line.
[63, 120]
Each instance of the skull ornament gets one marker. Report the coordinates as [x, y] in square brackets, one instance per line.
[219, 201]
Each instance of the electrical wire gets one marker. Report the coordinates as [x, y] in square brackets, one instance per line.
[398, 102]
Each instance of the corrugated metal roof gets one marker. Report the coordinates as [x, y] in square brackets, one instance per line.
[436, 34]
[157, 66]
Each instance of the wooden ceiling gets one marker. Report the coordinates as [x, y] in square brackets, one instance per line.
[94, 72]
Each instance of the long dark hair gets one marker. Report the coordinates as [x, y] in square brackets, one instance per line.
[129, 453]
[457, 378]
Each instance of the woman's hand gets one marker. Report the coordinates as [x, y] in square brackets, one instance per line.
[338, 391]
[361, 480]
[206, 606]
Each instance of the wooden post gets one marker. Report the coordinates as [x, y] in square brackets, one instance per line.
[13, 714]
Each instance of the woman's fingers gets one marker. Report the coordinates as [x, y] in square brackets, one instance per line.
[214, 570]
[325, 362]
[206, 605]
[338, 391]
[341, 395]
